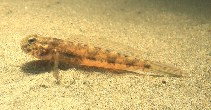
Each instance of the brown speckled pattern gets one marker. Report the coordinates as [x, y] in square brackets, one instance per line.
[71, 52]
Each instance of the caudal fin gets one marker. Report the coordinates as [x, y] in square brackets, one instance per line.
[164, 69]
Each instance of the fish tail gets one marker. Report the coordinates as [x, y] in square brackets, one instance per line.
[157, 67]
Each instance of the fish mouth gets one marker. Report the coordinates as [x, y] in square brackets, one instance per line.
[25, 48]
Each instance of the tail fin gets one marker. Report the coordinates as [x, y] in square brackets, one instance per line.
[164, 69]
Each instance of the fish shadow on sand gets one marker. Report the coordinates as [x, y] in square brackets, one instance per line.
[42, 66]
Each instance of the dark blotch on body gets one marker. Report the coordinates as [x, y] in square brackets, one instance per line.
[130, 62]
[147, 66]
[111, 59]
[69, 55]
[91, 58]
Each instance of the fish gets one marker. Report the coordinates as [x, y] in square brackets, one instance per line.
[71, 52]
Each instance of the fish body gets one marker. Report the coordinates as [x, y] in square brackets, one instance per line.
[58, 50]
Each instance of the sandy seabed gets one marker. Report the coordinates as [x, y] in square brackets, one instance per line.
[170, 31]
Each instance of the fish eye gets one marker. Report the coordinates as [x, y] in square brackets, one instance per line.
[32, 40]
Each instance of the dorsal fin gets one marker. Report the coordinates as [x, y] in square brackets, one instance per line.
[106, 44]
